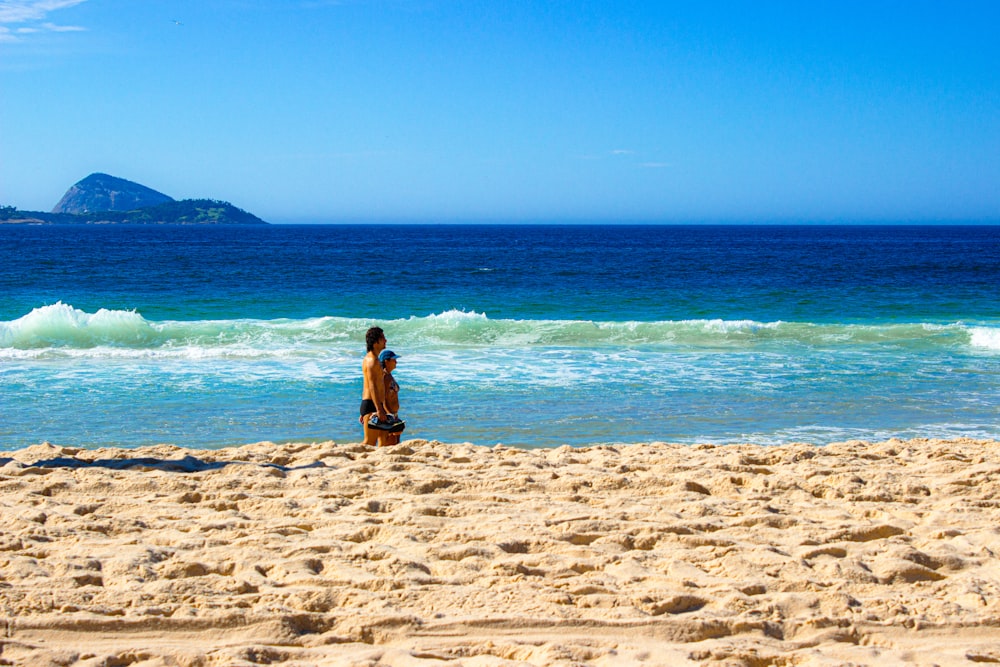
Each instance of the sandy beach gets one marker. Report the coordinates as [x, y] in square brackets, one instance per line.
[441, 554]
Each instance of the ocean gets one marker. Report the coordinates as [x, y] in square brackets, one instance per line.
[526, 335]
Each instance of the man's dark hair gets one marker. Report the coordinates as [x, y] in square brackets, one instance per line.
[374, 335]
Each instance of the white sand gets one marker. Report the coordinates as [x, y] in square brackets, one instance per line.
[440, 555]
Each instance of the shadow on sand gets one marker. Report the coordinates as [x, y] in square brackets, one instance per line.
[187, 464]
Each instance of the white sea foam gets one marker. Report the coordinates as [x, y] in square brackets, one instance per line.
[987, 338]
[62, 330]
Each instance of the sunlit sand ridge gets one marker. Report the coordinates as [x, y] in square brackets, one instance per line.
[434, 554]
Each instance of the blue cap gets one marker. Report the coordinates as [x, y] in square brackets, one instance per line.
[386, 355]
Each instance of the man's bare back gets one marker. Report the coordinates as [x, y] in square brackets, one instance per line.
[373, 389]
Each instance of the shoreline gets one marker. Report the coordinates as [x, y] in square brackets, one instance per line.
[429, 554]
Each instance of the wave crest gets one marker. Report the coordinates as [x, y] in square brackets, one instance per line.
[61, 325]
[62, 329]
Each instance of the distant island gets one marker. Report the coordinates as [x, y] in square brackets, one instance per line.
[104, 199]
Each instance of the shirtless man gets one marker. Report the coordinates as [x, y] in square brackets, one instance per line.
[373, 392]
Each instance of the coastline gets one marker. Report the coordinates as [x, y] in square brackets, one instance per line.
[430, 554]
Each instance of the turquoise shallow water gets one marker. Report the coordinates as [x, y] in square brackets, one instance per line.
[530, 336]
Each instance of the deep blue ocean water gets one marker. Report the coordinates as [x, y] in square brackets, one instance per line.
[531, 336]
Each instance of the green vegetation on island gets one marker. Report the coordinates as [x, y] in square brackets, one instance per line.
[184, 212]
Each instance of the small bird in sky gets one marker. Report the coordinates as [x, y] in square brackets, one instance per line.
[176, 22]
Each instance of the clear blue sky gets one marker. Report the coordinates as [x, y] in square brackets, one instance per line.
[519, 110]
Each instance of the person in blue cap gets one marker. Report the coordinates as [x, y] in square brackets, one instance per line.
[388, 360]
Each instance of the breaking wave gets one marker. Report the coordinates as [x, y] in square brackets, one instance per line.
[61, 329]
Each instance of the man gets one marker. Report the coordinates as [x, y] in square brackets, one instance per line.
[373, 392]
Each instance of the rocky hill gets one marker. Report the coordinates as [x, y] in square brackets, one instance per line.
[101, 192]
[103, 199]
